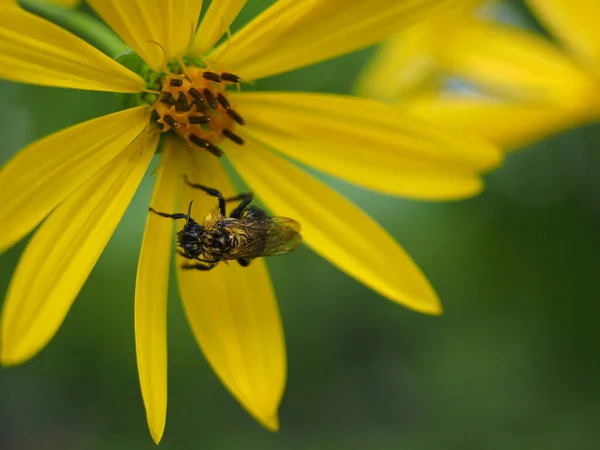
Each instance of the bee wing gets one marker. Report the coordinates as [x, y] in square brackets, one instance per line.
[287, 222]
[283, 237]
[271, 236]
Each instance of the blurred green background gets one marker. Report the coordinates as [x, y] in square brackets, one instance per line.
[511, 364]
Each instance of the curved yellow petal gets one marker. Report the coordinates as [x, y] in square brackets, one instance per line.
[63, 252]
[219, 16]
[510, 125]
[158, 30]
[233, 312]
[292, 34]
[372, 144]
[516, 63]
[33, 50]
[180, 18]
[575, 22]
[151, 291]
[334, 227]
[43, 174]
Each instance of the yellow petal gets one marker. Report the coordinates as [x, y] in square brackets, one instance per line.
[219, 16]
[151, 293]
[372, 144]
[33, 50]
[63, 252]
[292, 34]
[575, 22]
[510, 125]
[516, 63]
[180, 18]
[43, 174]
[334, 227]
[158, 30]
[233, 312]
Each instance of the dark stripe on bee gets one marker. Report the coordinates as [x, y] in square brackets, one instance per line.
[170, 120]
[210, 98]
[196, 95]
[234, 137]
[223, 101]
[168, 99]
[206, 144]
[212, 76]
[198, 120]
[235, 116]
[176, 82]
[182, 103]
[230, 77]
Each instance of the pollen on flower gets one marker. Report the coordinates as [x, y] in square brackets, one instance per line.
[194, 105]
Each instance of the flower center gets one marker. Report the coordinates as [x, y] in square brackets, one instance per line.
[194, 105]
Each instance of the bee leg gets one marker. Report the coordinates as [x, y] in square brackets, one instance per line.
[239, 209]
[244, 262]
[198, 266]
[184, 254]
[169, 216]
[240, 197]
[209, 191]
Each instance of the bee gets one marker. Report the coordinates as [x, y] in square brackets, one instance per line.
[246, 234]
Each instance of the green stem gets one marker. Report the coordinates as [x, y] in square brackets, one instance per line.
[79, 23]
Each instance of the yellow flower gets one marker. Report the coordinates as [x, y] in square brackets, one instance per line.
[78, 182]
[527, 87]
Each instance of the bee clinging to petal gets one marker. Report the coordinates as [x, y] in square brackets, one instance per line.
[246, 234]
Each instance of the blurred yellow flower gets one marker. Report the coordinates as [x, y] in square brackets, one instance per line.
[527, 87]
[78, 182]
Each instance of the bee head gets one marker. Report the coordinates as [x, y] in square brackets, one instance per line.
[191, 236]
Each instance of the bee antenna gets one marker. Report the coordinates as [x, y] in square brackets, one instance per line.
[187, 222]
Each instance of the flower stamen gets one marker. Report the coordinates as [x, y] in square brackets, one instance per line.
[195, 107]
[234, 137]
[170, 121]
[206, 144]
[230, 77]
[168, 99]
[210, 98]
[196, 95]
[223, 101]
[198, 120]
[182, 104]
[212, 76]
[235, 116]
